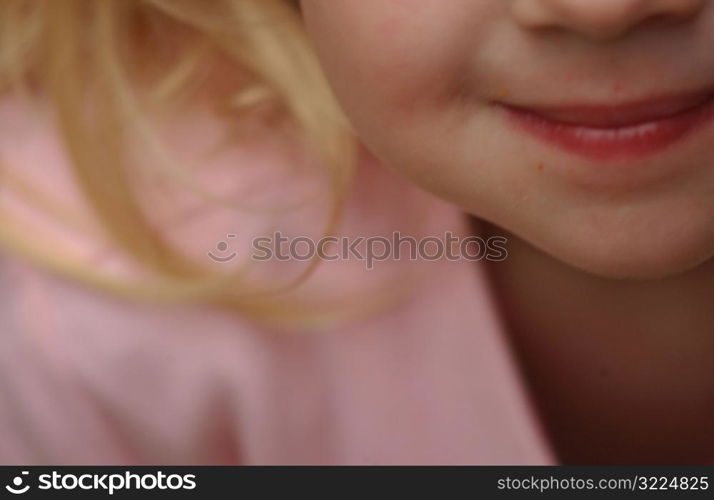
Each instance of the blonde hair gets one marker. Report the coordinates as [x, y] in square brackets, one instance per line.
[80, 49]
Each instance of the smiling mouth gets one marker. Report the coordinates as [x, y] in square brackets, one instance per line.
[616, 132]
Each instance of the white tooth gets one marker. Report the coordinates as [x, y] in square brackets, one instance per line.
[632, 132]
[596, 134]
[580, 132]
[627, 133]
[647, 129]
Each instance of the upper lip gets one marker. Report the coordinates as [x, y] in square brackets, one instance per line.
[609, 116]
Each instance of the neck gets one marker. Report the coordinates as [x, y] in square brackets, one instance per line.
[621, 369]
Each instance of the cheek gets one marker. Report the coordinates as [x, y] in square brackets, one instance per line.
[399, 74]
[385, 58]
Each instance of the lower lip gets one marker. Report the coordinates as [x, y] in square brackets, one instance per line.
[617, 143]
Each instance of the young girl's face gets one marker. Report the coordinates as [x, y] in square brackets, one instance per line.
[583, 126]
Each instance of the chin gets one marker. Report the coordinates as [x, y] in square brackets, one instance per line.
[624, 257]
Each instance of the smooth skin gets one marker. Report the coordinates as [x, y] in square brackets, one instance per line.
[609, 284]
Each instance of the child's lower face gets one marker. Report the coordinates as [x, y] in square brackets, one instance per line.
[584, 127]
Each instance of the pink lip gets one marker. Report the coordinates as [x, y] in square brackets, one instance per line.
[617, 132]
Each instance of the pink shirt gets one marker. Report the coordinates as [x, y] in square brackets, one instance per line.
[90, 378]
